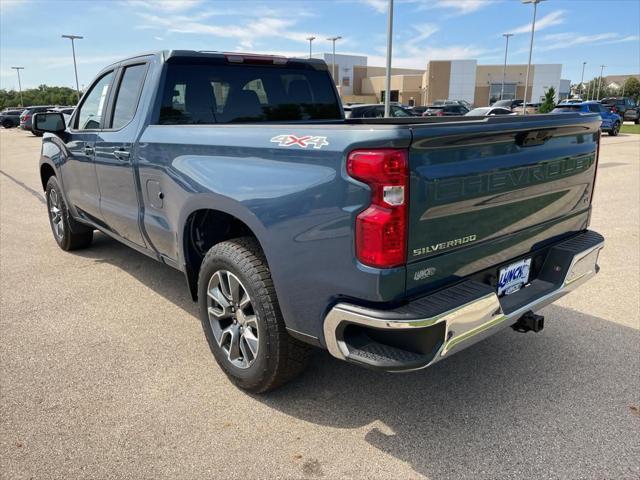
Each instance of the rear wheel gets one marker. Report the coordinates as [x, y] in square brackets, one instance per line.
[68, 233]
[6, 123]
[615, 129]
[241, 318]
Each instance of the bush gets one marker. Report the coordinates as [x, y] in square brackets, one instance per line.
[549, 101]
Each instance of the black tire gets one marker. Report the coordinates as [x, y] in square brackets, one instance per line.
[73, 235]
[7, 124]
[637, 121]
[615, 130]
[37, 134]
[279, 356]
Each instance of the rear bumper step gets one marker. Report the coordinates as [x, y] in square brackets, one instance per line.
[433, 327]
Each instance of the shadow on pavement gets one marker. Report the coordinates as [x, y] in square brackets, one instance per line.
[558, 404]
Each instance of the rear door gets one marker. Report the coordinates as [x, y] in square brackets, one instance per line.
[486, 191]
[114, 155]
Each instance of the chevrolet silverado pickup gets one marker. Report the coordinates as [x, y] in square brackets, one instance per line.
[392, 243]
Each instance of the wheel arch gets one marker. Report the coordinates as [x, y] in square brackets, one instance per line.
[204, 227]
[46, 172]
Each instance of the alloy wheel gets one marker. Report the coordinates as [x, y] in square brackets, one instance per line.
[55, 213]
[232, 318]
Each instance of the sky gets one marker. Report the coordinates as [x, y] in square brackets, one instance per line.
[567, 31]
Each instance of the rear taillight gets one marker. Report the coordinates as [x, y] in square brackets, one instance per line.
[440, 113]
[381, 230]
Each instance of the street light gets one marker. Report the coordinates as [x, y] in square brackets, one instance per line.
[75, 67]
[582, 79]
[533, 29]
[600, 81]
[387, 94]
[311, 39]
[333, 60]
[17, 69]
[504, 70]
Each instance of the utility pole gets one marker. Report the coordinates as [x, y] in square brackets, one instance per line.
[582, 79]
[17, 69]
[387, 95]
[600, 81]
[75, 67]
[311, 39]
[333, 60]
[533, 29]
[504, 70]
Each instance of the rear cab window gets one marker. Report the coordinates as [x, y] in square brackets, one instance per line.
[209, 93]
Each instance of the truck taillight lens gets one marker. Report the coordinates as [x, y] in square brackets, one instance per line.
[381, 230]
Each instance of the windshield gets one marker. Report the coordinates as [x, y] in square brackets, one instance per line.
[214, 93]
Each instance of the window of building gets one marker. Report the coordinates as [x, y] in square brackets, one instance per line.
[496, 88]
[395, 94]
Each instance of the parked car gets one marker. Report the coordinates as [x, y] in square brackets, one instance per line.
[374, 110]
[464, 103]
[626, 107]
[63, 110]
[510, 104]
[488, 111]
[417, 111]
[27, 116]
[393, 244]
[611, 122]
[532, 108]
[445, 110]
[10, 118]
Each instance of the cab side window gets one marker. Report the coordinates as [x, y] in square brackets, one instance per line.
[92, 110]
[128, 93]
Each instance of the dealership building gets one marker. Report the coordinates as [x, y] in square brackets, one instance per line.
[479, 85]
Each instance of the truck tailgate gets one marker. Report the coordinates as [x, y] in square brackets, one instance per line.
[485, 192]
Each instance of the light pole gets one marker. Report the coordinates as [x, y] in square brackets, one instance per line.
[75, 67]
[311, 39]
[333, 60]
[504, 70]
[17, 69]
[600, 81]
[582, 79]
[387, 94]
[533, 29]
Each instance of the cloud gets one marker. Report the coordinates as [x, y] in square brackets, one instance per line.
[553, 18]
[458, 7]
[167, 6]
[380, 6]
[558, 41]
[425, 30]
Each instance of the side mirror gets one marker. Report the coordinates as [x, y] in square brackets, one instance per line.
[52, 122]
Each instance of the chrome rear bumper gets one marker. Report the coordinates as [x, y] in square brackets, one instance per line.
[431, 328]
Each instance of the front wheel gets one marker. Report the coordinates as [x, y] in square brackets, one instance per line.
[241, 318]
[7, 124]
[68, 233]
[615, 130]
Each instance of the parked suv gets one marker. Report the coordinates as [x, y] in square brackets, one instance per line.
[625, 107]
[27, 116]
[610, 121]
[375, 111]
[445, 110]
[10, 118]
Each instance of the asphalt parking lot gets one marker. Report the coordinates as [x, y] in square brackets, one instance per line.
[105, 372]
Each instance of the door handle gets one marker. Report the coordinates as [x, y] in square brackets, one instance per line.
[121, 154]
[88, 150]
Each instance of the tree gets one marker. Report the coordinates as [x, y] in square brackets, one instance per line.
[549, 102]
[631, 88]
[43, 95]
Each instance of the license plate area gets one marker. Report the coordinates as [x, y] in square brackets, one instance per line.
[513, 277]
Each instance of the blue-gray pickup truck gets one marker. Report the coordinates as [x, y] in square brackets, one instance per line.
[392, 243]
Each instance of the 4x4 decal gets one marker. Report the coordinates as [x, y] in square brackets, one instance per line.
[302, 142]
